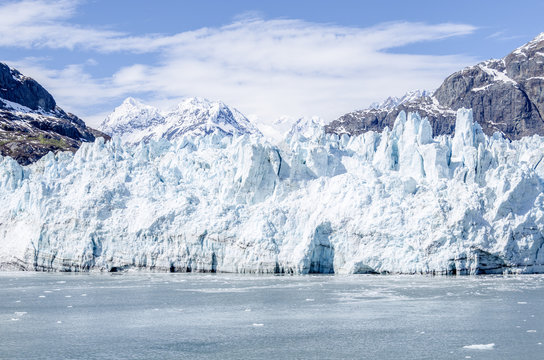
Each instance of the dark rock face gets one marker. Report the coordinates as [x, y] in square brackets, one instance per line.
[497, 105]
[442, 119]
[506, 95]
[35, 125]
[23, 90]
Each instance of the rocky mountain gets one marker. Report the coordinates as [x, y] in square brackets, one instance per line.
[135, 122]
[442, 119]
[393, 101]
[31, 123]
[506, 95]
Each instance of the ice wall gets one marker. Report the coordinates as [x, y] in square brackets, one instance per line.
[399, 202]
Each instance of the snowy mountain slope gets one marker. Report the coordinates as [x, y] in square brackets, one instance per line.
[286, 126]
[393, 101]
[379, 116]
[307, 127]
[134, 121]
[399, 201]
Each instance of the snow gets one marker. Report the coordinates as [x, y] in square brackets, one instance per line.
[393, 101]
[399, 201]
[497, 75]
[307, 127]
[17, 75]
[18, 108]
[482, 88]
[275, 131]
[135, 122]
[531, 44]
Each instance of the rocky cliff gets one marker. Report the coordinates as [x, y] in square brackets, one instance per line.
[31, 123]
[506, 95]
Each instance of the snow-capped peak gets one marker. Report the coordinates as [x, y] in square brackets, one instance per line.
[539, 37]
[307, 127]
[132, 102]
[130, 118]
[134, 121]
[536, 42]
[393, 101]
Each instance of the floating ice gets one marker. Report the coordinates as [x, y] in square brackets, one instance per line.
[480, 346]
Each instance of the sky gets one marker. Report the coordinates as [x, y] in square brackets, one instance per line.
[268, 59]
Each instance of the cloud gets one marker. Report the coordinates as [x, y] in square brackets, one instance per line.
[44, 24]
[502, 36]
[265, 68]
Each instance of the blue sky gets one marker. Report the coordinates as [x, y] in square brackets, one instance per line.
[268, 58]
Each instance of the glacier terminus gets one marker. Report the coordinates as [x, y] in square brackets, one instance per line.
[399, 201]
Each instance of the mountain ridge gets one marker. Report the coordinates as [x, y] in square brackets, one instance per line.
[31, 123]
[506, 95]
[134, 122]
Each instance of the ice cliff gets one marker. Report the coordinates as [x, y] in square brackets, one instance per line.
[399, 201]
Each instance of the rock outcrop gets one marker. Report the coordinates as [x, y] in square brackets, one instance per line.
[31, 123]
[506, 95]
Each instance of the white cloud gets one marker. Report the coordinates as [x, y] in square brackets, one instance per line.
[265, 68]
[44, 24]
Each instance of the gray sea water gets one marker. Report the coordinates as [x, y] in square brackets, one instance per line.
[191, 316]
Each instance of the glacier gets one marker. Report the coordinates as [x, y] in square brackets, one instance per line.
[400, 201]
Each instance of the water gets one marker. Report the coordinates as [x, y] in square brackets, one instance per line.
[182, 316]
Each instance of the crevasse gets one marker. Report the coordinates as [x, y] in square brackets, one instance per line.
[398, 202]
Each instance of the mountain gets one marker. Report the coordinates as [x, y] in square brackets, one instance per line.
[377, 118]
[135, 122]
[31, 123]
[506, 95]
[399, 201]
[393, 101]
[304, 126]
